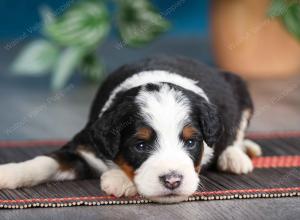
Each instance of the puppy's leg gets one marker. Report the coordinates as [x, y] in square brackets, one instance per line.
[116, 182]
[234, 158]
[113, 181]
[58, 166]
[251, 148]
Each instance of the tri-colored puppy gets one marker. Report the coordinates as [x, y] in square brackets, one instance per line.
[153, 125]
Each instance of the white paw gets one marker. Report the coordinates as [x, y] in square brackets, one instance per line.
[234, 160]
[252, 148]
[115, 182]
[9, 176]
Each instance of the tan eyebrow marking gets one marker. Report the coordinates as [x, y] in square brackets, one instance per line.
[188, 132]
[144, 133]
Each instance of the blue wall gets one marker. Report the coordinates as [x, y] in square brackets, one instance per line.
[188, 17]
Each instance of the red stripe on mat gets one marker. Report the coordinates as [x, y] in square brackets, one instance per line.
[33, 143]
[60, 142]
[276, 161]
[93, 198]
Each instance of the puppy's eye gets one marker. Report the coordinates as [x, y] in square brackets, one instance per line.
[142, 147]
[190, 144]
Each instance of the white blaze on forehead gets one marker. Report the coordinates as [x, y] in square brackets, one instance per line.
[155, 77]
[166, 111]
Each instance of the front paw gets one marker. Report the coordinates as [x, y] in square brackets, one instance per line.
[116, 182]
[10, 176]
[234, 160]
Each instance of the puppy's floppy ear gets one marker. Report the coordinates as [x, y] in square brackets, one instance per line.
[210, 123]
[106, 141]
[106, 131]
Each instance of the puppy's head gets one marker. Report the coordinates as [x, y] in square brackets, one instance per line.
[160, 135]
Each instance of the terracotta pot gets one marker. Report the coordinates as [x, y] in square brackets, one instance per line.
[247, 42]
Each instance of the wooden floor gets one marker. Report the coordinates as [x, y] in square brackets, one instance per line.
[29, 110]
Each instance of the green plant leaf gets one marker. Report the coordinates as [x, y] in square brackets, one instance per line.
[291, 20]
[48, 16]
[278, 8]
[85, 25]
[67, 63]
[289, 13]
[139, 22]
[92, 68]
[37, 58]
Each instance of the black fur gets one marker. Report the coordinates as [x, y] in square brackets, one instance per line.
[69, 160]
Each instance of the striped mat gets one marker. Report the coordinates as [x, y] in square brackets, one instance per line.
[276, 174]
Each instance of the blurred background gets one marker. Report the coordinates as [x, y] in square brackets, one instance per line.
[54, 55]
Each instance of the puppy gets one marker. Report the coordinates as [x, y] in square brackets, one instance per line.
[153, 126]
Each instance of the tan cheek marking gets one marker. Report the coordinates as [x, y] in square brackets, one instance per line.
[188, 132]
[197, 169]
[125, 166]
[144, 133]
[197, 165]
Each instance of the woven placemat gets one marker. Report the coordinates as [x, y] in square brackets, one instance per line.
[276, 174]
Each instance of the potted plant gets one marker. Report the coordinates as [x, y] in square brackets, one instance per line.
[258, 39]
[72, 36]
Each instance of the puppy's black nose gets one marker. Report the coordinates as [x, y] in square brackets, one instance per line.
[171, 180]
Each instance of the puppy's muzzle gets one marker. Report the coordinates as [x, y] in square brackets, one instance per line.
[171, 180]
